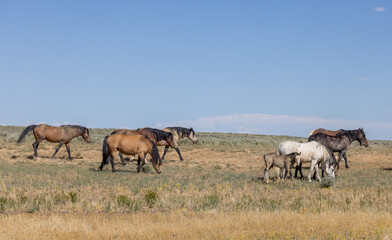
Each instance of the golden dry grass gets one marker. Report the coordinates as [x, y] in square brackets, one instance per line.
[207, 225]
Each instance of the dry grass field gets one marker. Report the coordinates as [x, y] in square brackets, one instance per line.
[216, 193]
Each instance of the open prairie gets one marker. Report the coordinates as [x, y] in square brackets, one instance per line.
[216, 193]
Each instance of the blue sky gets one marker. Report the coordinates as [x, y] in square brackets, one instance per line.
[302, 64]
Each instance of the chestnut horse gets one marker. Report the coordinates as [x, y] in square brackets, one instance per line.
[325, 131]
[179, 133]
[158, 137]
[63, 135]
[135, 144]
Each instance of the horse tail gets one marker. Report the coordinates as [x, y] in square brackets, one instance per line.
[105, 151]
[155, 153]
[25, 132]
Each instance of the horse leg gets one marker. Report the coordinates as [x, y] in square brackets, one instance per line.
[298, 168]
[57, 149]
[112, 162]
[35, 146]
[267, 168]
[284, 174]
[164, 152]
[322, 173]
[312, 165]
[68, 151]
[122, 159]
[340, 158]
[277, 171]
[179, 153]
[142, 158]
[345, 159]
[317, 172]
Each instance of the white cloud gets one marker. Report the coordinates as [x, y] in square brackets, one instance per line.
[281, 125]
[380, 9]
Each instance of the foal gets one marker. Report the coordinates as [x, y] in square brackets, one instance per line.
[283, 163]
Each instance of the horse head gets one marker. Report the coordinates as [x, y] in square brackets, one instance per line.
[362, 138]
[192, 136]
[330, 170]
[86, 135]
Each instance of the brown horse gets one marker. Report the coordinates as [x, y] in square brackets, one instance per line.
[158, 137]
[135, 144]
[326, 132]
[62, 134]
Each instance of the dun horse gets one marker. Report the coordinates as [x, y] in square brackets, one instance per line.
[135, 144]
[341, 142]
[179, 133]
[281, 162]
[158, 137]
[63, 135]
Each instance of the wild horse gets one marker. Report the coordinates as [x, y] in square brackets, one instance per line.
[126, 144]
[63, 135]
[158, 137]
[341, 142]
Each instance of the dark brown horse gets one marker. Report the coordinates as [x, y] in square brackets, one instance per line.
[63, 135]
[179, 133]
[341, 142]
[136, 144]
[325, 131]
[158, 137]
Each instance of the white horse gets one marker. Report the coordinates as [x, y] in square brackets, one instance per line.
[312, 152]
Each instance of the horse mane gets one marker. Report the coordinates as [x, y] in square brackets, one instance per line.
[182, 131]
[76, 127]
[352, 134]
[155, 153]
[159, 134]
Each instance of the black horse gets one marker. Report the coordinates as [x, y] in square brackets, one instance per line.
[341, 142]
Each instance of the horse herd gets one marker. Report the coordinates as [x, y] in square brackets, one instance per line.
[123, 141]
[319, 150]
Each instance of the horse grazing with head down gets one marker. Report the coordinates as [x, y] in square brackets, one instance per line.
[179, 133]
[312, 152]
[341, 142]
[158, 137]
[63, 135]
[135, 144]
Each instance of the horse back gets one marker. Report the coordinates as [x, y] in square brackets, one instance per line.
[327, 132]
[49, 133]
[275, 160]
[129, 144]
[123, 132]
